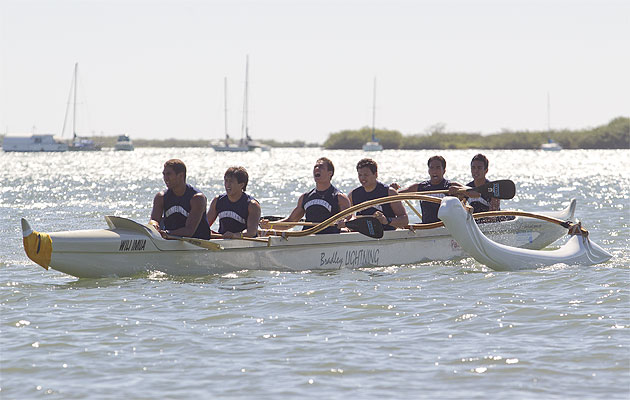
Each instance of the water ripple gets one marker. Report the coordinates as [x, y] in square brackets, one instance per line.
[432, 330]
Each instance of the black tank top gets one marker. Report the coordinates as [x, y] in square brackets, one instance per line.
[359, 195]
[233, 216]
[319, 206]
[176, 210]
[430, 210]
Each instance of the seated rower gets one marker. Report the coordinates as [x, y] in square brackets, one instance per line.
[437, 169]
[481, 202]
[319, 204]
[237, 211]
[181, 209]
[391, 215]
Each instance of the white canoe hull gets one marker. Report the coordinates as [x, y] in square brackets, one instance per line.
[128, 248]
[579, 250]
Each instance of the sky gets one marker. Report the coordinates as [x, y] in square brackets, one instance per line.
[155, 69]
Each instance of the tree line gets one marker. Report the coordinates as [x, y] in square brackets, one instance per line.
[614, 135]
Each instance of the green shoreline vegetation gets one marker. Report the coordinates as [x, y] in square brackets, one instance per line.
[614, 135]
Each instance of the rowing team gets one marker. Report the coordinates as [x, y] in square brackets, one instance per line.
[181, 209]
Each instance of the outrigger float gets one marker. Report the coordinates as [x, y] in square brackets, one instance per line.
[128, 248]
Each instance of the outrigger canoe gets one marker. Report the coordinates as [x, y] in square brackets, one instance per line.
[127, 248]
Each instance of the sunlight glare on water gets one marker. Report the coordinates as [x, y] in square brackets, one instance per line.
[434, 330]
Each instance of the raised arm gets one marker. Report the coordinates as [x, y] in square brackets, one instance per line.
[455, 189]
[158, 210]
[409, 189]
[401, 219]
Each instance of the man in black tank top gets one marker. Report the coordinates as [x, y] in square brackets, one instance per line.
[481, 202]
[437, 168]
[391, 215]
[319, 204]
[237, 211]
[181, 209]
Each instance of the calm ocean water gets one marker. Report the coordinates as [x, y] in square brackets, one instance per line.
[435, 330]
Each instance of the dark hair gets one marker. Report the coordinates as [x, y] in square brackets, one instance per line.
[176, 165]
[367, 163]
[239, 173]
[329, 164]
[482, 158]
[439, 158]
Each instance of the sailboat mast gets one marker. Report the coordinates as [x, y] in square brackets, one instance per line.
[244, 127]
[374, 110]
[548, 113]
[227, 137]
[74, 98]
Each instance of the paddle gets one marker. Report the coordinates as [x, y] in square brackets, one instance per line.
[271, 218]
[206, 244]
[502, 189]
[368, 226]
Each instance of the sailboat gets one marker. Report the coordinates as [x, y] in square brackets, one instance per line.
[373, 145]
[245, 143]
[77, 143]
[551, 145]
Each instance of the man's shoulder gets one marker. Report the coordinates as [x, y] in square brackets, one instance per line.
[251, 199]
[335, 190]
[357, 189]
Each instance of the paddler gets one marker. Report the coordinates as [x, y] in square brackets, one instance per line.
[321, 203]
[481, 202]
[437, 169]
[181, 209]
[391, 215]
[238, 212]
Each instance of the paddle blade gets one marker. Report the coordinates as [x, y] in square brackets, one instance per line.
[271, 218]
[503, 189]
[368, 226]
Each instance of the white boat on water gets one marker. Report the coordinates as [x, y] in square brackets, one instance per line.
[373, 145]
[551, 146]
[83, 144]
[128, 248]
[33, 142]
[123, 143]
[245, 143]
